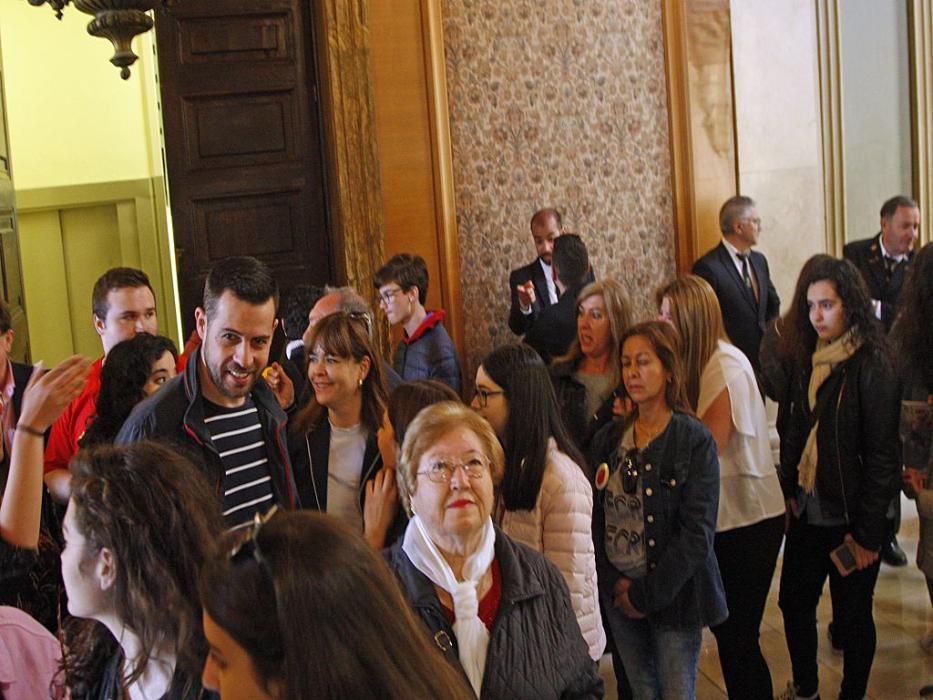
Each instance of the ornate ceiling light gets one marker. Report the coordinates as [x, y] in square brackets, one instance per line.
[117, 20]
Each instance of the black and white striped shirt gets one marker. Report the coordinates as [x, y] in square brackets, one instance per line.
[237, 437]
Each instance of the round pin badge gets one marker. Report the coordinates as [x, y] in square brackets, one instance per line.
[602, 476]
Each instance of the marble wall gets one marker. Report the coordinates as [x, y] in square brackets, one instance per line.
[876, 110]
[557, 103]
[777, 117]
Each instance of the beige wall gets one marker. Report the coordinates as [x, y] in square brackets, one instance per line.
[87, 168]
[557, 104]
[777, 117]
[876, 109]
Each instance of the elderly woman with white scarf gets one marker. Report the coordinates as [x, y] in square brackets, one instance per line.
[498, 611]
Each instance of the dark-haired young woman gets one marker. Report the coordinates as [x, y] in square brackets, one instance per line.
[545, 500]
[840, 467]
[140, 522]
[134, 369]
[299, 607]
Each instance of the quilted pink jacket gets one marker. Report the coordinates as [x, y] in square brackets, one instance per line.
[560, 527]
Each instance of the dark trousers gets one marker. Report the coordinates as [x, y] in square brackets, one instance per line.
[746, 557]
[806, 566]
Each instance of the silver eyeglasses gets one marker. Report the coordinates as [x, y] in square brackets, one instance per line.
[442, 470]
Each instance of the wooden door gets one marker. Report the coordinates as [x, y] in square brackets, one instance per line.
[11, 274]
[242, 140]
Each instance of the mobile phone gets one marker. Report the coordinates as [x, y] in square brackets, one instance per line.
[843, 557]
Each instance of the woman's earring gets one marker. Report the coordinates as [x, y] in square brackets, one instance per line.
[360, 383]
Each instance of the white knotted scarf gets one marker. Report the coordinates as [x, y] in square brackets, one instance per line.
[472, 635]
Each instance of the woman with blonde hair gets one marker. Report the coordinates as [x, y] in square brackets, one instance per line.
[722, 389]
[586, 378]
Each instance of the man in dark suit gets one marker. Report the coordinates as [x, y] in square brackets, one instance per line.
[532, 286]
[885, 258]
[740, 277]
[555, 327]
[883, 261]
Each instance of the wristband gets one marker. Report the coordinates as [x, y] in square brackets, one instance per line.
[29, 430]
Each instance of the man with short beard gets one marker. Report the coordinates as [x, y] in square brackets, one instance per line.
[220, 410]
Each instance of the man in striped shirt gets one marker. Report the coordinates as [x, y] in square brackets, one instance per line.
[221, 410]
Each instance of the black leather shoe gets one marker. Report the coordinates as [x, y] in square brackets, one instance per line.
[892, 554]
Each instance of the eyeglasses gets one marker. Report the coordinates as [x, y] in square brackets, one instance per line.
[388, 295]
[630, 471]
[442, 470]
[249, 542]
[482, 396]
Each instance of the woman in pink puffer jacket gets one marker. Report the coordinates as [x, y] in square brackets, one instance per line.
[545, 500]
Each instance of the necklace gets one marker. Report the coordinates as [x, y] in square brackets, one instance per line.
[650, 433]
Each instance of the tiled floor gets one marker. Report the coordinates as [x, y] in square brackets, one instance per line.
[902, 615]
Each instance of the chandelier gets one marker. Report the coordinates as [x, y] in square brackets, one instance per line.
[117, 20]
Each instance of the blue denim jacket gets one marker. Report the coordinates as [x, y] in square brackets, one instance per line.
[680, 492]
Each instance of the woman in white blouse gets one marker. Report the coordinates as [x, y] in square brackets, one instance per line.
[722, 388]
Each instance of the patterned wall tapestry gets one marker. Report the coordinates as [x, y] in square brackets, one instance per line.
[557, 103]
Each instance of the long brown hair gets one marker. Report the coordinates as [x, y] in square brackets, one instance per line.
[321, 615]
[159, 517]
[347, 336]
[697, 317]
[666, 345]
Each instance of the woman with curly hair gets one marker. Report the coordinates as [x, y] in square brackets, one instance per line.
[134, 369]
[912, 336]
[140, 522]
[840, 467]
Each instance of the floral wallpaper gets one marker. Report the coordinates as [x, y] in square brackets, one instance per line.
[557, 103]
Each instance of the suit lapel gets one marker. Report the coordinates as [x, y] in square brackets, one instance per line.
[537, 275]
[732, 272]
[875, 263]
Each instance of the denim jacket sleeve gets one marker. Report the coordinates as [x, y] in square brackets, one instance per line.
[686, 540]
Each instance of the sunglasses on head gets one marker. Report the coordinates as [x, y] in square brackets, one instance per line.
[630, 471]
